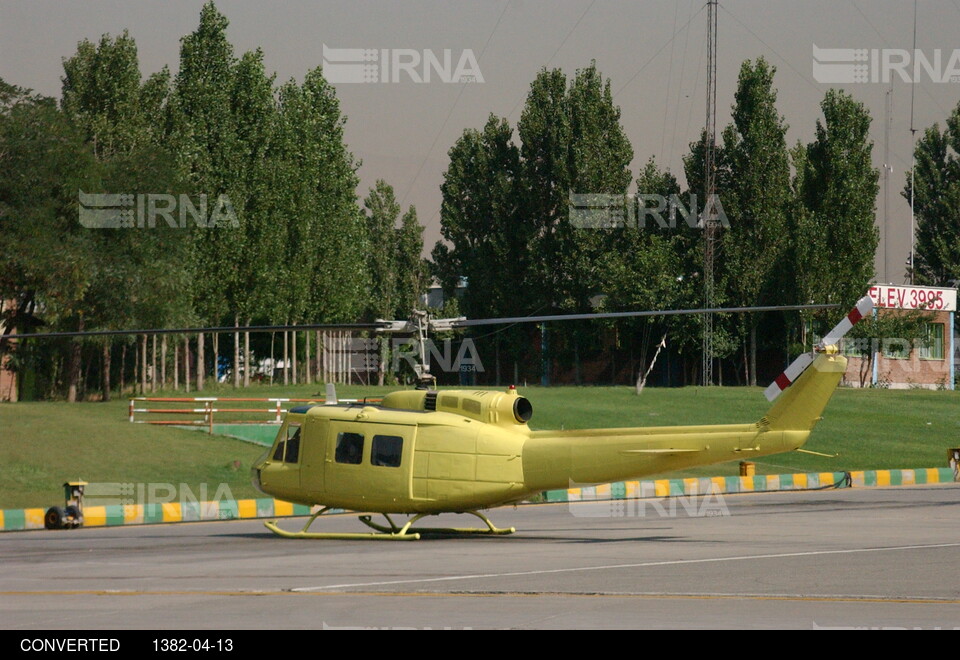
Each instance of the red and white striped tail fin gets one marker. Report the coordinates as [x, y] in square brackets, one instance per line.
[863, 307]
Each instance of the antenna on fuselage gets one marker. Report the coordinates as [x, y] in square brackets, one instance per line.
[331, 399]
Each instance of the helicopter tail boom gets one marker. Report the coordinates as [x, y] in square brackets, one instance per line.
[562, 459]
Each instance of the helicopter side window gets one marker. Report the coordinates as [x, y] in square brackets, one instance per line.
[278, 453]
[349, 448]
[386, 450]
[292, 454]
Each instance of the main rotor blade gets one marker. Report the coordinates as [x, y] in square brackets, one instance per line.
[171, 331]
[620, 315]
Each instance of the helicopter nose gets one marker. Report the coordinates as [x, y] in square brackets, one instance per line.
[255, 478]
[258, 465]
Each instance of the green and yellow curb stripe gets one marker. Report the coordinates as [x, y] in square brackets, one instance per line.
[165, 512]
[173, 512]
[761, 483]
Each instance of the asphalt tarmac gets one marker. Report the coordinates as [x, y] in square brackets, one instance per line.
[854, 558]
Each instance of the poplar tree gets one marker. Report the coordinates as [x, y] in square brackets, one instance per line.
[757, 198]
[937, 204]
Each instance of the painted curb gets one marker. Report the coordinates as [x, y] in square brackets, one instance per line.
[756, 484]
[169, 512]
[12, 520]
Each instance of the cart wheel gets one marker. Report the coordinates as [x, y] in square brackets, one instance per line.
[54, 518]
[73, 517]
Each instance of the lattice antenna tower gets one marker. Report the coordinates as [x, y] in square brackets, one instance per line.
[709, 214]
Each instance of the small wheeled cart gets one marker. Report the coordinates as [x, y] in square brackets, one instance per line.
[70, 515]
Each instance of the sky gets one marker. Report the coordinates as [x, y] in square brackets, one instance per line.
[653, 52]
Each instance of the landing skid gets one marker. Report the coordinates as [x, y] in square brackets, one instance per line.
[446, 531]
[392, 533]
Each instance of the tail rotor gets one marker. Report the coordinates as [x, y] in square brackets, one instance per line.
[863, 307]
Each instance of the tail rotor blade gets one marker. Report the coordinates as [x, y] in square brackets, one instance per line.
[789, 375]
[864, 307]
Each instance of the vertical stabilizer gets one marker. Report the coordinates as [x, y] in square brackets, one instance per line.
[801, 405]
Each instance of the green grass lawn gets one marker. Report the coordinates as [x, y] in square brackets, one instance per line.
[46, 443]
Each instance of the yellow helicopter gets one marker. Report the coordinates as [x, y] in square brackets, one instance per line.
[425, 452]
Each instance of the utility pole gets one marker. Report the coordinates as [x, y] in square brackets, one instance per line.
[913, 167]
[709, 189]
[887, 170]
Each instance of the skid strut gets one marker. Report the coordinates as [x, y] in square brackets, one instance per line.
[406, 532]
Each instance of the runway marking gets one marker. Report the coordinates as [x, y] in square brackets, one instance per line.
[580, 569]
[504, 594]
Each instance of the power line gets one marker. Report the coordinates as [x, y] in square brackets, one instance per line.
[436, 212]
[517, 105]
[659, 50]
[772, 49]
[666, 97]
[683, 67]
[886, 43]
[463, 87]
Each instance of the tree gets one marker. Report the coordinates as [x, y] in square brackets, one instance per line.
[382, 214]
[599, 156]
[642, 267]
[203, 136]
[489, 240]
[339, 283]
[545, 185]
[572, 143]
[480, 221]
[322, 265]
[836, 187]
[937, 204]
[102, 93]
[758, 196]
[104, 97]
[254, 121]
[47, 259]
[395, 267]
[411, 267]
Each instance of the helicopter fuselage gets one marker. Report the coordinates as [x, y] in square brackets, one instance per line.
[462, 450]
